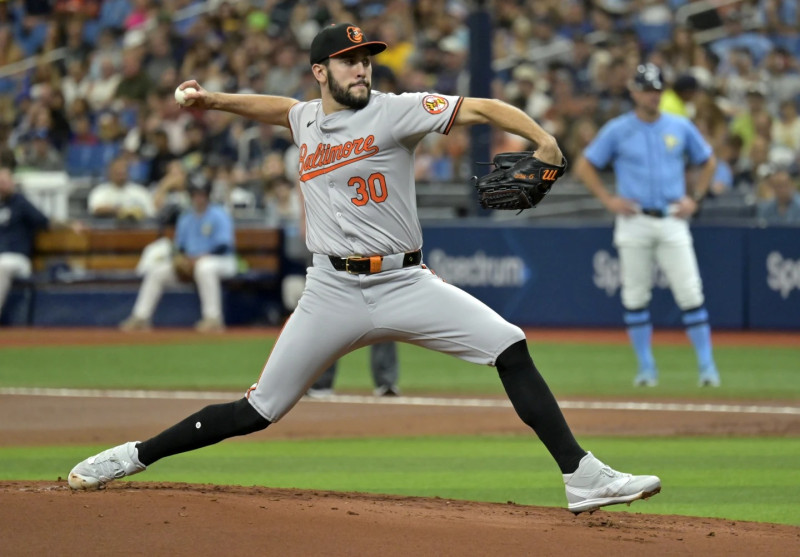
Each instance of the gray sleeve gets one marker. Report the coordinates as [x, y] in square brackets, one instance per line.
[295, 114]
[416, 114]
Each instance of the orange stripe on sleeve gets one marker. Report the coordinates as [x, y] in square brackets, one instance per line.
[453, 116]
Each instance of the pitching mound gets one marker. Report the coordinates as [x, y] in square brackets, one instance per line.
[183, 519]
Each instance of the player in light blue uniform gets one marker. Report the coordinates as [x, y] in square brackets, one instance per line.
[649, 151]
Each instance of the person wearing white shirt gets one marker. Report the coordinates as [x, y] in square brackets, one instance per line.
[119, 197]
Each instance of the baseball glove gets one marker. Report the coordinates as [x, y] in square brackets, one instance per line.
[184, 267]
[519, 181]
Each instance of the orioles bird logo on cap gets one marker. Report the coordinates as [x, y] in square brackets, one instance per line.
[355, 34]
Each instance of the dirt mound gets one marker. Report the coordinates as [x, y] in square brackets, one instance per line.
[182, 519]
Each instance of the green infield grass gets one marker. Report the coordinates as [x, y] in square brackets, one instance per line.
[571, 369]
[734, 478]
[739, 478]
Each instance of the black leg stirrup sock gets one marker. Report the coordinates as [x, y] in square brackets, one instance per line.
[210, 425]
[537, 407]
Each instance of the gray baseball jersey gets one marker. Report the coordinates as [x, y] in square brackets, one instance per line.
[357, 176]
[357, 171]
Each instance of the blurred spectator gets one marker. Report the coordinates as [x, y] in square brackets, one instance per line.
[76, 84]
[743, 123]
[725, 175]
[680, 50]
[400, 49]
[103, 87]
[284, 77]
[580, 134]
[113, 13]
[159, 57]
[38, 154]
[754, 165]
[83, 8]
[168, 116]
[10, 52]
[786, 127]
[76, 46]
[450, 79]
[784, 207]
[742, 78]
[53, 38]
[614, 97]
[737, 36]
[273, 166]
[546, 46]
[231, 189]
[221, 142]
[59, 125]
[135, 84]
[678, 99]
[120, 198]
[526, 91]
[140, 15]
[196, 146]
[107, 48]
[781, 78]
[704, 68]
[82, 133]
[204, 253]
[573, 22]
[710, 118]
[281, 201]
[171, 196]
[652, 22]
[722, 181]
[158, 155]
[20, 220]
[111, 135]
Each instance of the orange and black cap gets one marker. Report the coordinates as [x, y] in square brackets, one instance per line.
[339, 38]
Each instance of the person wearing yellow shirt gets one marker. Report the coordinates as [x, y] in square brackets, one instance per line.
[677, 99]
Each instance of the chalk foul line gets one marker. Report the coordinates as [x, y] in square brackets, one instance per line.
[412, 401]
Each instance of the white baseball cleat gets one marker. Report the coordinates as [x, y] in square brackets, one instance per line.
[646, 378]
[709, 377]
[112, 464]
[594, 485]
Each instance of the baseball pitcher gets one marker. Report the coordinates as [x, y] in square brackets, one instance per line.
[367, 282]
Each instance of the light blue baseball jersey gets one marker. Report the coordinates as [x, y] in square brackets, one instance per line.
[199, 235]
[649, 159]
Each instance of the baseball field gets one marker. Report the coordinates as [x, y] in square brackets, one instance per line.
[446, 469]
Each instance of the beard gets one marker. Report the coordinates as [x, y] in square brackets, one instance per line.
[345, 96]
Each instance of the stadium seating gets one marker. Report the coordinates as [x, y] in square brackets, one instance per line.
[74, 272]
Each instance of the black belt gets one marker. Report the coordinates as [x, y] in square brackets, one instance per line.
[657, 213]
[357, 265]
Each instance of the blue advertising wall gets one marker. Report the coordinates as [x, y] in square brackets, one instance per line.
[773, 297]
[560, 276]
[567, 276]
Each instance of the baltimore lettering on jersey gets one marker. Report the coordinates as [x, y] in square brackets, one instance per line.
[327, 157]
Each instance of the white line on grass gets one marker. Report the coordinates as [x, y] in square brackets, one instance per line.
[414, 401]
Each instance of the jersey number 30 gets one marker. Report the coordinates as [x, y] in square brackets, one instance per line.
[371, 189]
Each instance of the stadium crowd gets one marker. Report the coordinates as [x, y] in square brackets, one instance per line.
[98, 101]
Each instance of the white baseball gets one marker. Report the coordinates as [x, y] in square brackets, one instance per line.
[180, 96]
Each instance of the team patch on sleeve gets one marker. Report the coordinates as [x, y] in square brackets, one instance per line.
[434, 104]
